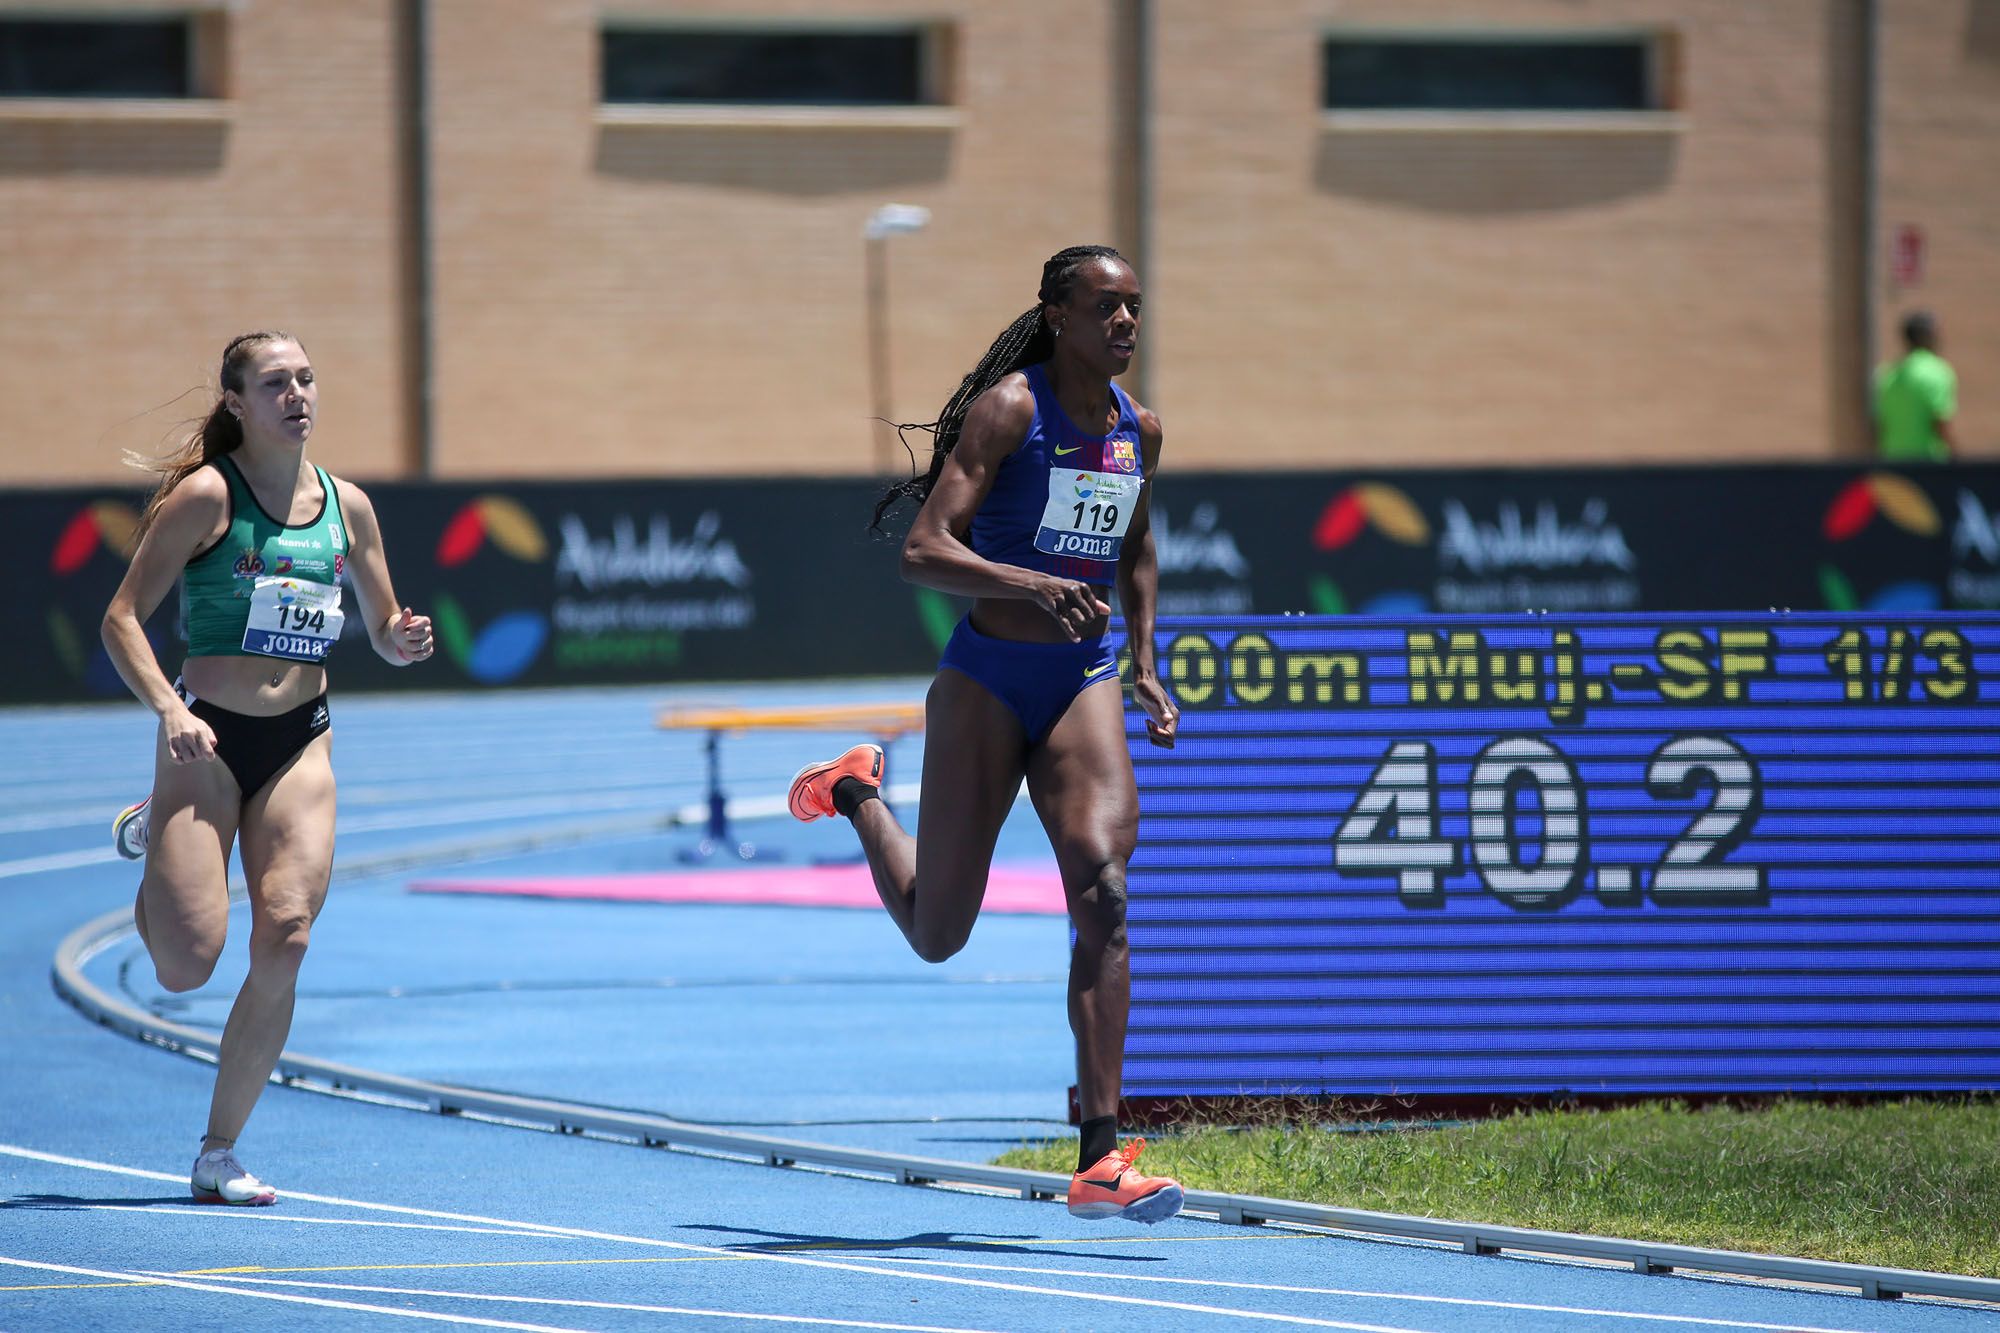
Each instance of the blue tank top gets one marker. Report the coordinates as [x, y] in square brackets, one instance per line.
[1062, 502]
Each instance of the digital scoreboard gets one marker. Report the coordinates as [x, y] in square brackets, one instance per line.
[1587, 857]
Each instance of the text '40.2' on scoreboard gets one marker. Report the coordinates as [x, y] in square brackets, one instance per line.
[1621, 853]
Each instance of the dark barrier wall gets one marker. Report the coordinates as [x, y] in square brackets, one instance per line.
[534, 585]
[1539, 857]
[541, 584]
[1628, 539]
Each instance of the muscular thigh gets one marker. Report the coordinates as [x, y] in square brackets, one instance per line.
[1080, 778]
[287, 835]
[189, 828]
[973, 757]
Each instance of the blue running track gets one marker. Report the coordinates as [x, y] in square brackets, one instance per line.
[805, 1023]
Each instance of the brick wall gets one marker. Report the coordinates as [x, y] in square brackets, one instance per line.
[1395, 296]
[619, 294]
[689, 298]
[139, 240]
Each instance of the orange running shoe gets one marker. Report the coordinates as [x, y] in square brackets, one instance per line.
[812, 790]
[1114, 1188]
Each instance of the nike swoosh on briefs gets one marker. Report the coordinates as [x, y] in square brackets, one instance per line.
[1060, 451]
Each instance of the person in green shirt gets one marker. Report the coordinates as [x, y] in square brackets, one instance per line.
[1916, 397]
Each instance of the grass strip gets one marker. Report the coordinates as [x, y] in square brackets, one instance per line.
[1911, 1184]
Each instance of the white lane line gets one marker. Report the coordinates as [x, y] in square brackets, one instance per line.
[495, 811]
[355, 798]
[486, 784]
[35, 865]
[1706, 1321]
[42, 821]
[239, 1214]
[429, 817]
[606, 1305]
[219, 1289]
[520, 807]
[764, 1256]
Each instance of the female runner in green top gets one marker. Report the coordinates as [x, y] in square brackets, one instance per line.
[262, 539]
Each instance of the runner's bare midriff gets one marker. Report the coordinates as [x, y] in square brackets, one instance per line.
[254, 686]
[1026, 622]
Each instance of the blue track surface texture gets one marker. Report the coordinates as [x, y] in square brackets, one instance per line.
[811, 1023]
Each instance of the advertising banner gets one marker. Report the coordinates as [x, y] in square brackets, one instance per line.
[555, 583]
[1566, 540]
[586, 583]
[531, 584]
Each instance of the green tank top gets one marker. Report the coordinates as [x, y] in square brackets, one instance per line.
[267, 588]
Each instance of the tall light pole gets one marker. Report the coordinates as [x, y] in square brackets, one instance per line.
[886, 221]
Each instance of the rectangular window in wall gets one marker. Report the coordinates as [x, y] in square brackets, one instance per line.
[125, 56]
[791, 66]
[1487, 72]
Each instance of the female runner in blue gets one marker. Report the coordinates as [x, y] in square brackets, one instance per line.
[1035, 504]
[261, 540]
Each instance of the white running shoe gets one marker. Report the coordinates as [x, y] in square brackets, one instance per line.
[128, 831]
[219, 1178]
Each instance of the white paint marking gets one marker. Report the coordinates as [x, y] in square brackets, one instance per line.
[247, 1215]
[472, 812]
[610, 803]
[1704, 1320]
[35, 865]
[604, 1305]
[764, 1256]
[41, 821]
[218, 1289]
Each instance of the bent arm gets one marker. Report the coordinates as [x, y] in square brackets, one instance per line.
[1139, 596]
[937, 553]
[1138, 559]
[398, 635]
[193, 514]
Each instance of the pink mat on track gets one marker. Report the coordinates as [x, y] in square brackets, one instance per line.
[1010, 888]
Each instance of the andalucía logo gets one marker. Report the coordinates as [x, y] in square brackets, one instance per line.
[509, 644]
[99, 525]
[1363, 507]
[1904, 508]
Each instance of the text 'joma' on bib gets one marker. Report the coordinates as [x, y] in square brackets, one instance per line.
[1087, 514]
[293, 618]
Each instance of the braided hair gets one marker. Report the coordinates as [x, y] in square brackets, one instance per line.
[1025, 342]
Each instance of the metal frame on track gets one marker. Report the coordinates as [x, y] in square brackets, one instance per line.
[324, 1076]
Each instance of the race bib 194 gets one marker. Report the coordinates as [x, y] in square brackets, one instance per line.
[293, 618]
[1087, 514]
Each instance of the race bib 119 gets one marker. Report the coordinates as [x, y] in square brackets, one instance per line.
[1087, 514]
